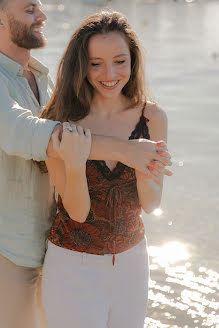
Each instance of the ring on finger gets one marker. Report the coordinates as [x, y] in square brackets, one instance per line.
[68, 128]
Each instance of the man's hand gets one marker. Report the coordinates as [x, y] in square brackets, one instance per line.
[56, 136]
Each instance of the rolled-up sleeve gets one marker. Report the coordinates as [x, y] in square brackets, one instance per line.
[21, 133]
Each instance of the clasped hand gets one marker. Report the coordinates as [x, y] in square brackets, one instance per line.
[75, 145]
[149, 158]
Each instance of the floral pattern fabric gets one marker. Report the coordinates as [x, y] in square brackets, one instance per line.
[114, 222]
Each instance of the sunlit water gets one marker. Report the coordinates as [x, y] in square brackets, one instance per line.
[181, 294]
[182, 50]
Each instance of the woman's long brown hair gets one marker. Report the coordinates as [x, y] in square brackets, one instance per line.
[73, 93]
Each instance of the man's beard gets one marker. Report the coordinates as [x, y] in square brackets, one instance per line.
[23, 36]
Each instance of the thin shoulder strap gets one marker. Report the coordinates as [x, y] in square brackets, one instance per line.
[143, 108]
[141, 129]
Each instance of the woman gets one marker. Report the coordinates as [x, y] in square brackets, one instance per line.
[96, 267]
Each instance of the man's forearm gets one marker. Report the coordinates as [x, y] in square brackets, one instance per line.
[102, 148]
[108, 148]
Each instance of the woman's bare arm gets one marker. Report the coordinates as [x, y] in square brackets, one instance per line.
[68, 173]
[150, 190]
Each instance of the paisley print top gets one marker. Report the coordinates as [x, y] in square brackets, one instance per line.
[114, 223]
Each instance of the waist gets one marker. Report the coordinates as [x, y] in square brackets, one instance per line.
[83, 257]
[99, 236]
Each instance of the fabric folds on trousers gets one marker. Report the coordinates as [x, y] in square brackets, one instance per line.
[85, 290]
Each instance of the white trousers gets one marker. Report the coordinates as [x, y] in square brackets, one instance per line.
[81, 290]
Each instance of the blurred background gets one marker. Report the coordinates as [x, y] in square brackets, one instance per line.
[181, 47]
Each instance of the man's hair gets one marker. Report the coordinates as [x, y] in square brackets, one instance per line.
[3, 4]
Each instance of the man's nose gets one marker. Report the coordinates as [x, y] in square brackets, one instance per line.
[41, 16]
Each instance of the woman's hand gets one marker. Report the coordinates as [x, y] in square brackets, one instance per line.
[150, 185]
[75, 145]
[157, 171]
[149, 157]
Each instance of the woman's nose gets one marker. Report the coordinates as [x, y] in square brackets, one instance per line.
[110, 72]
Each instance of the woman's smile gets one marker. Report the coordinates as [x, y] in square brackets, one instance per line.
[109, 85]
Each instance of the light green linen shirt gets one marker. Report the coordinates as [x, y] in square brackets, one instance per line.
[26, 195]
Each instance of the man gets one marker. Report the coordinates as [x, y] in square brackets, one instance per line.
[26, 196]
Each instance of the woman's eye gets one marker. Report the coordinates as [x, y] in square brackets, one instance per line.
[121, 61]
[95, 64]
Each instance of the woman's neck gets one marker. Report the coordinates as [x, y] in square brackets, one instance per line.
[109, 106]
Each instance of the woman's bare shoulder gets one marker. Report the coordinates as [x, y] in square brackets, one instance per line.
[153, 112]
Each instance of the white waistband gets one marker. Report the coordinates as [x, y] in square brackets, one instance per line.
[82, 257]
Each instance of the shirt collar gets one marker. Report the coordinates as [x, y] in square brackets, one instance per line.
[15, 68]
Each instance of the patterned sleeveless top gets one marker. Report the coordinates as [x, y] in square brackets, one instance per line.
[114, 223]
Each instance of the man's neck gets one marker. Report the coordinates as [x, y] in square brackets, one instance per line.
[19, 55]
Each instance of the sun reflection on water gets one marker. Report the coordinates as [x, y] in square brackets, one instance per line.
[158, 212]
[180, 293]
[170, 253]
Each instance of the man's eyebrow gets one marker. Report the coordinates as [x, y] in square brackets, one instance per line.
[33, 4]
